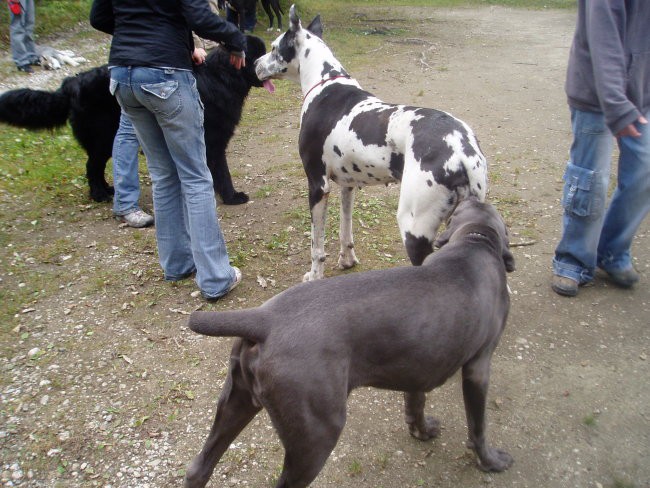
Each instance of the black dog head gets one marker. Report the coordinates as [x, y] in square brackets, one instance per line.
[473, 216]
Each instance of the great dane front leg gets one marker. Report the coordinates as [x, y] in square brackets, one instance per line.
[475, 385]
[420, 426]
[347, 257]
[318, 217]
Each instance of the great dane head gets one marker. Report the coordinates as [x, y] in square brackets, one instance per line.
[283, 62]
[478, 218]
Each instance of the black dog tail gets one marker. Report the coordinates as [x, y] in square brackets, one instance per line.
[248, 324]
[34, 109]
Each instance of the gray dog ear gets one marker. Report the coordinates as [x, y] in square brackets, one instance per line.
[508, 260]
[443, 238]
[316, 27]
[293, 17]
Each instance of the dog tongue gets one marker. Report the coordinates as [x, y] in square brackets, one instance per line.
[270, 87]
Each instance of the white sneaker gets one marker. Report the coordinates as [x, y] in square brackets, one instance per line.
[233, 285]
[137, 218]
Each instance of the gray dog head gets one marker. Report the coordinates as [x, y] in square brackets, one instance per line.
[471, 215]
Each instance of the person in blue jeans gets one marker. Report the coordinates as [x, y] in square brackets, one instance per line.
[608, 90]
[151, 76]
[21, 33]
[126, 176]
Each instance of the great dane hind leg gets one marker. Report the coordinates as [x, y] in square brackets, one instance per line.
[318, 203]
[420, 426]
[475, 386]
[347, 257]
[235, 410]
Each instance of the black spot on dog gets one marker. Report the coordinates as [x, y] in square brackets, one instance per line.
[324, 112]
[432, 151]
[344, 169]
[329, 71]
[337, 151]
[287, 47]
[371, 126]
[306, 52]
[429, 182]
[370, 175]
[396, 165]
[308, 36]
[417, 248]
[356, 168]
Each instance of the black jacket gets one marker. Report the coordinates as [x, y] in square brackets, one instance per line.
[158, 33]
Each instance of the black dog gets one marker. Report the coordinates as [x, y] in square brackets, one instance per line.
[240, 7]
[409, 329]
[94, 114]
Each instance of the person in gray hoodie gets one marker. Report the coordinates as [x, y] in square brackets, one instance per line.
[608, 91]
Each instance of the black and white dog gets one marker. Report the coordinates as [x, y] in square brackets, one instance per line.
[354, 139]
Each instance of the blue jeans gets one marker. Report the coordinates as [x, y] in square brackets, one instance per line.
[125, 168]
[167, 113]
[594, 235]
[21, 32]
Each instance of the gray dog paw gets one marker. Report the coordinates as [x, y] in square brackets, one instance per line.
[495, 460]
[427, 430]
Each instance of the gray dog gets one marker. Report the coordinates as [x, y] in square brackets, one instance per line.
[407, 329]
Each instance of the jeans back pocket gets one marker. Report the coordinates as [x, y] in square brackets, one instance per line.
[164, 98]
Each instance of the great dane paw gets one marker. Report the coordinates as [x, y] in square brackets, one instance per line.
[429, 429]
[348, 261]
[495, 460]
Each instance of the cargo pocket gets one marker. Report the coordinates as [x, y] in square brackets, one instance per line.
[164, 98]
[581, 196]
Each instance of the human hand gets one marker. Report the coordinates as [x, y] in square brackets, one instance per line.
[631, 130]
[237, 60]
[198, 56]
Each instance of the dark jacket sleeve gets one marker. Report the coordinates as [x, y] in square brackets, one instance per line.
[209, 25]
[101, 16]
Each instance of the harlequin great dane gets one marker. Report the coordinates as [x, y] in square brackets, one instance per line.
[302, 352]
[354, 139]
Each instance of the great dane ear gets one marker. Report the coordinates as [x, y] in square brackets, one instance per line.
[316, 27]
[295, 20]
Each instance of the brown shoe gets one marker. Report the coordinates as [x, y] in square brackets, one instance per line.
[567, 287]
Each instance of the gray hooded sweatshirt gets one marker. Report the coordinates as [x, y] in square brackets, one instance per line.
[609, 63]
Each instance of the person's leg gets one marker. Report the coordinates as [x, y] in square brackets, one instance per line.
[185, 188]
[183, 129]
[585, 192]
[30, 21]
[17, 37]
[630, 203]
[172, 238]
[125, 168]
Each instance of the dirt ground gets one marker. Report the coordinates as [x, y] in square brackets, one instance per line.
[104, 385]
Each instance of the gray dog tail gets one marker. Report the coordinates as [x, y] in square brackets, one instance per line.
[247, 324]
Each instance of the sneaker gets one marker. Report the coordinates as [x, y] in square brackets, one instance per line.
[625, 278]
[233, 285]
[137, 218]
[25, 68]
[567, 287]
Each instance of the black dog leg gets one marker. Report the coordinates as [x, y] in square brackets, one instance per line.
[420, 426]
[222, 180]
[235, 410]
[100, 190]
[475, 385]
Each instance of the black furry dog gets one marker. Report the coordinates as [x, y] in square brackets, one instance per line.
[94, 114]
